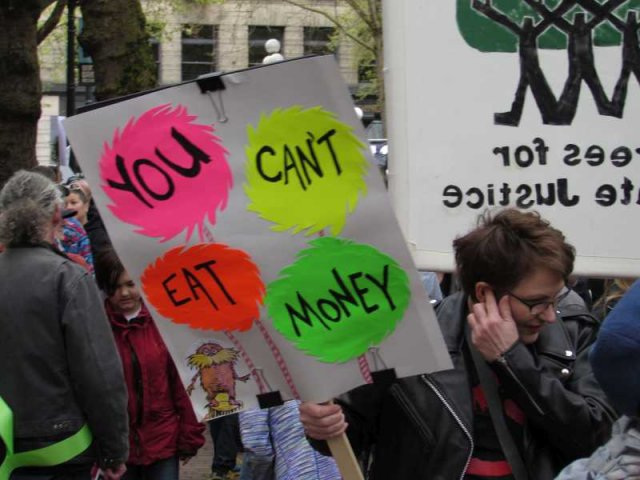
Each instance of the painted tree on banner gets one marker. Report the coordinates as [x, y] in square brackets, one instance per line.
[578, 26]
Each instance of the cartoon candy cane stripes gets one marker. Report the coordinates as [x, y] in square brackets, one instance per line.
[284, 369]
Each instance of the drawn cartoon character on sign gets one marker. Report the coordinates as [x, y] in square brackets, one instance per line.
[215, 367]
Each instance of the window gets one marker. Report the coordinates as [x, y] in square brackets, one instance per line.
[258, 35]
[317, 40]
[199, 50]
[366, 71]
[155, 51]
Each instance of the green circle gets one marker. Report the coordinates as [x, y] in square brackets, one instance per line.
[305, 170]
[338, 299]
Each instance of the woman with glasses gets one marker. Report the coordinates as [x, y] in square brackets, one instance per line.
[521, 401]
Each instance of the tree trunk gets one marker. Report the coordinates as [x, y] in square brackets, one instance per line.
[114, 36]
[20, 87]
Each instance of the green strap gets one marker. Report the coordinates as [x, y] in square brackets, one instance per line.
[55, 454]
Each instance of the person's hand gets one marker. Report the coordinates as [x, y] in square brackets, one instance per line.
[184, 459]
[114, 473]
[322, 422]
[493, 329]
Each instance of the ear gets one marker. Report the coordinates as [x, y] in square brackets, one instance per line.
[480, 289]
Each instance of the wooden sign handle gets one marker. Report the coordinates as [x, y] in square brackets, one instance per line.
[344, 457]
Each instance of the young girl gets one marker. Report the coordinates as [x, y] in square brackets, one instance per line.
[162, 425]
[78, 200]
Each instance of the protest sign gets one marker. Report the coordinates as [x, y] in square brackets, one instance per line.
[248, 209]
[532, 104]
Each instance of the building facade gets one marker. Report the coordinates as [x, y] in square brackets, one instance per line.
[231, 36]
[198, 39]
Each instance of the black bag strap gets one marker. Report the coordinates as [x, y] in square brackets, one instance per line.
[490, 388]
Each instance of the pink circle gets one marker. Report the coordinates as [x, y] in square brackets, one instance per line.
[164, 173]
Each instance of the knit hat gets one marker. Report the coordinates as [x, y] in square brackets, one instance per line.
[615, 357]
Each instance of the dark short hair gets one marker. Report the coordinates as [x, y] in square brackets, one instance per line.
[108, 268]
[508, 246]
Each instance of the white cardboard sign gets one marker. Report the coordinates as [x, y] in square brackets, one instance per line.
[248, 208]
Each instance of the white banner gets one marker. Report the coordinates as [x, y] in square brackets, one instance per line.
[521, 103]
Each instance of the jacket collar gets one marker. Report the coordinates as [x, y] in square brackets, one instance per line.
[118, 320]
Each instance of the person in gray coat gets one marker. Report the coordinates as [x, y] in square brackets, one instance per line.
[61, 378]
[615, 359]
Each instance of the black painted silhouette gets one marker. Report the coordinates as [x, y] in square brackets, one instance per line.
[531, 74]
[580, 34]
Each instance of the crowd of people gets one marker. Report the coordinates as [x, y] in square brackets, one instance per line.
[542, 386]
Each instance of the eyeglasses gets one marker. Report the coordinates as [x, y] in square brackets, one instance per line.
[539, 307]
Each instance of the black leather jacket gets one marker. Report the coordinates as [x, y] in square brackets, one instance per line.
[422, 428]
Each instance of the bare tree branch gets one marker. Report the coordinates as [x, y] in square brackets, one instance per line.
[52, 21]
[366, 18]
[333, 20]
[375, 11]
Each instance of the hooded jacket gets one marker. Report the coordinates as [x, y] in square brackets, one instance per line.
[618, 459]
[161, 419]
[615, 358]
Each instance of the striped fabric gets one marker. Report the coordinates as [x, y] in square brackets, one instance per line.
[277, 432]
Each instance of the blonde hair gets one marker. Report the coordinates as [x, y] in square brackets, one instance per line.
[83, 186]
[614, 290]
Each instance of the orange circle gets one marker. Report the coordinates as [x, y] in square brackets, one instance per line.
[207, 286]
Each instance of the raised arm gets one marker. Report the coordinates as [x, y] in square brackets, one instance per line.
[574, 413]
[603, 12]
[552, 17]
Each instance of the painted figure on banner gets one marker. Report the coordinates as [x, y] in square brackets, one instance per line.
[578, 26]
